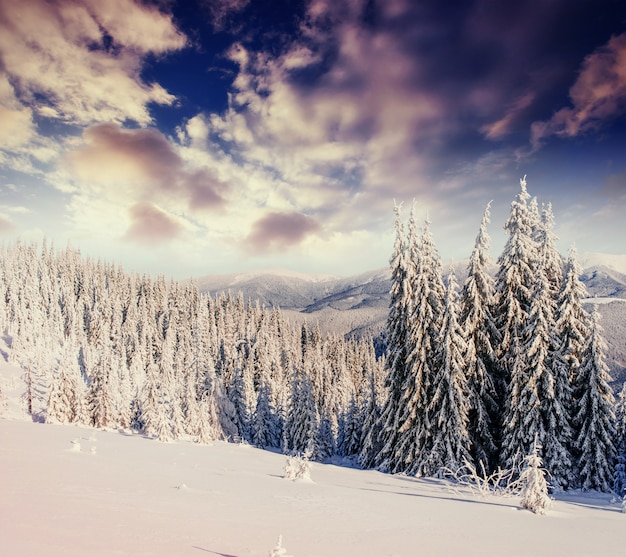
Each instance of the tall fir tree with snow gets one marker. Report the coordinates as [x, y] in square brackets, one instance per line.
[264, 428]
[572, 328]
[514, 291]
[425, 324]
[301, 420]
[371, 419]
[350, 430]
[400, 307]
[594, 419]
[619, 479]
[448, 408]
[155, 412]
[66, 398]
[554, 432]
[482, 336]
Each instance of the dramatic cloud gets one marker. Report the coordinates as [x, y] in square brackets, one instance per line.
[144, 161]
[151, 226]
[279, 231]
[81, 61]
[598, 95]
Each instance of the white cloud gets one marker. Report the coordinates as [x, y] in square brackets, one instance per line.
[81, 61]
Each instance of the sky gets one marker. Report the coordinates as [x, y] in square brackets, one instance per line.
[198, 137]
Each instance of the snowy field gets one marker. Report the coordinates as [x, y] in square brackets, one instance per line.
[66, 491]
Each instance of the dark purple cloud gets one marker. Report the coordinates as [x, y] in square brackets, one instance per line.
[151, 226]
[279, 231]
[144, 159]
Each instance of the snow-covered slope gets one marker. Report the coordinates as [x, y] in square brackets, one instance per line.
[72, 492]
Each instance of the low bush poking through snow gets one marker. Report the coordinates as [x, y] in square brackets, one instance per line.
[501, 482]
[279, 550]
[297, 467]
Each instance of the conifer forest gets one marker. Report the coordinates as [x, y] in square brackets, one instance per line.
[484, 371]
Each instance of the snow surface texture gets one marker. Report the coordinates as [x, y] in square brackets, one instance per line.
[137, 496]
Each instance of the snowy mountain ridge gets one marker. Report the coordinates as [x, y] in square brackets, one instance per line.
[614, 261]
[357, 306]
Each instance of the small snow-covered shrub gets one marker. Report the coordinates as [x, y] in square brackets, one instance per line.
[297, 467]
[279, 550]
[534, 486]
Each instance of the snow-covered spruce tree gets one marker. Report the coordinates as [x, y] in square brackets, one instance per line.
[208, 421]
[351, 429]
[301, 420]
[241, 394]
[534, 491]
[594, 418]
[416, 435]
[371, 413]
[325, 444]
[264, 429]
[400, 307]
[555, 388]
[66, 398]
[515, 280]
[481, 334]
[572, 328]
[619, 479]
[155, 412]
[60, 408]
[449, 405]
[539, 342]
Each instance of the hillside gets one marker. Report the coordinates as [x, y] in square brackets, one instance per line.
[71, 492]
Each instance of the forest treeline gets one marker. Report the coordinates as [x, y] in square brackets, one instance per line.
[109, 349]
[478, 374]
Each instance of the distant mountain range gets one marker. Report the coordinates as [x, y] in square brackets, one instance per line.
[357, 306]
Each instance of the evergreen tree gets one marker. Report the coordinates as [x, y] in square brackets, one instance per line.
[155, 410]
[400, 307]
[448, 407]
[594, 418]
[619, 480]
[207, 421]
[517, 384]
[351, 430]
[301, 420]
[264, 428]
[61, 404]
[514, 282]
[415, 433]
[324, 439]
[572, 328]
[481, 334]
[554, 431]
[370, 427]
